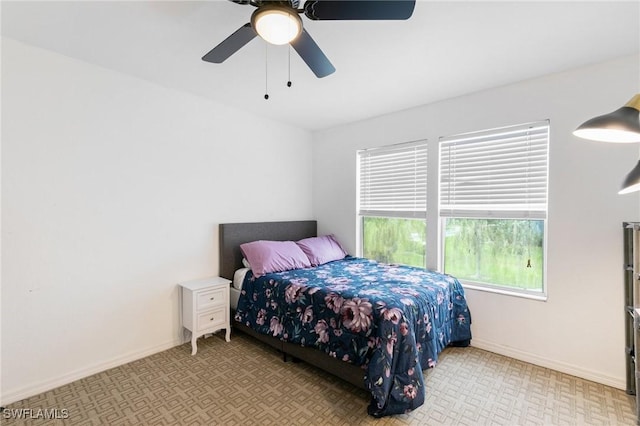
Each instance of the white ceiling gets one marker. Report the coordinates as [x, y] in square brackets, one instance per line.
[445, 49]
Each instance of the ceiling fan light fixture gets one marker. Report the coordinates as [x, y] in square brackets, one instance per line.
[621, 125]
[277, 24]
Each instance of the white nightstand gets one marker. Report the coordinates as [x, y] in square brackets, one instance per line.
[205, 307]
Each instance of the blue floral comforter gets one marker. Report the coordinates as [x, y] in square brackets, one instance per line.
[392, 320]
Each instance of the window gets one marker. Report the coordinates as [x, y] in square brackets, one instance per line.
[493, 207]
[392, 203]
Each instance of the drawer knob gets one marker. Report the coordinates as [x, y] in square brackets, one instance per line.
[212, 298]
[211, 319]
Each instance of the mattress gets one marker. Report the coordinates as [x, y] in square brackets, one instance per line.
[234, 293]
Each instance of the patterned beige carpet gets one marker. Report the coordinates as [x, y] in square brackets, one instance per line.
[246, 383]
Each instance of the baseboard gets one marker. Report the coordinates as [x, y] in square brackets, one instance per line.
[26, 392]
[594, 376]
[29, 391]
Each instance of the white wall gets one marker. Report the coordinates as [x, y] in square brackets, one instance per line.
[112, 191]
[580, 328]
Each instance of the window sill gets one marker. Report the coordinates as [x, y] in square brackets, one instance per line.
[504, 291]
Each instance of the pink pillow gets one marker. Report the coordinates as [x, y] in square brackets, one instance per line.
[273, 256]
[321, 250]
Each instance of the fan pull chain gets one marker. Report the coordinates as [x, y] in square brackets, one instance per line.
[266, 69]
[289, 80]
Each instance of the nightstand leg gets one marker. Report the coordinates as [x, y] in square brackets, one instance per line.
[194, 347]
[227, 335]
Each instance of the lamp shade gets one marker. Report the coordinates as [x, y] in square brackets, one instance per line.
[276, 24]
[621, 125]
[632, 181]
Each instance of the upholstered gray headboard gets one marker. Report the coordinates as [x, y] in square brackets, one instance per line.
[234, 234]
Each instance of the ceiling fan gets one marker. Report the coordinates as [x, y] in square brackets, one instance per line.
[277, 22]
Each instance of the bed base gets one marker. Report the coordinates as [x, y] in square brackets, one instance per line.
[343, 370]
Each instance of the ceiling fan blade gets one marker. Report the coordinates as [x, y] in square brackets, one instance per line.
[231, 44]
[320, 10]
[311, 53]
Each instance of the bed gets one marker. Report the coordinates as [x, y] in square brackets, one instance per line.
[375, 325]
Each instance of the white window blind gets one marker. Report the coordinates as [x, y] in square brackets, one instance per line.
[499, 173]
[393, 181]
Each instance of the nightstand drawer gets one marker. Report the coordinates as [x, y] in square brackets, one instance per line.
[212, 298]
[212, 319]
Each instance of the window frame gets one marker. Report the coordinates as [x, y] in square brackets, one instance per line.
[421, 144]
[495, 214]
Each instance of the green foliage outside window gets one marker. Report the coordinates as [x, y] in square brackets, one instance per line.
[503, 252]
[395, 240]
